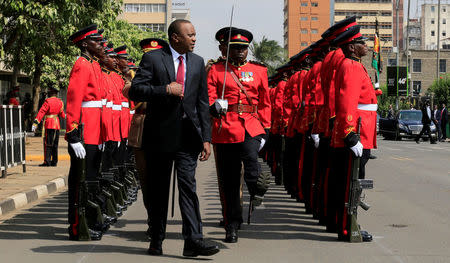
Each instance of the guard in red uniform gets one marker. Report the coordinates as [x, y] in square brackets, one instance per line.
[241, 121]
[52, 108]
[324, 126]
[355, 98]
[83, 124]
[13, 96]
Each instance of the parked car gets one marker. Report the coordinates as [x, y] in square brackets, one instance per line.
[405, 124]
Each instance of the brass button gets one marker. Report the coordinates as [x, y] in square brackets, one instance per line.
[240, 101]
[239, 68]
[240, 113]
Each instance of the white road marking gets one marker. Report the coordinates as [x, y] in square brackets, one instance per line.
[388, 251]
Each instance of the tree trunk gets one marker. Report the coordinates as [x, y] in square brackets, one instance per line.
[37, 82]
[16, 68]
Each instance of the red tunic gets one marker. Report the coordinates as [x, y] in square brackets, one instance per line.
[317, 96]
[277, 126]
[51, 109]
[13, 101]
[117, 82]
[234, 125]
[107, 119]
[353, 91]
[290, 98]
[297, 115]
[85, 86]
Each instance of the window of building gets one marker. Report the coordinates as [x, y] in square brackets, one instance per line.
[444, 21]
[304, 4]
[432, 8]
[417, 65]
[314, 31]
[442, 65]
[314, 18]
[392, 62]
[432, 21]
[444, 34]
[152, 27]
[417, 86]
[304, 44]
[304, 18]
[444, 9]
[145, 8]
[314, 4]
[304, 31]
[432, 33]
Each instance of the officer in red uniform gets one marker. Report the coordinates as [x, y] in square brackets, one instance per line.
[324, 126]
[355, 98]
[52, 108]
[83, 124]
[240, 125]
[13, 96]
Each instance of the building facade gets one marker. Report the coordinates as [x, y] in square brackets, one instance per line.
[180, 10]
[415, 34]
[422, 69]
[429, 24]
[367, 13]
[304, 22]
[154, 15]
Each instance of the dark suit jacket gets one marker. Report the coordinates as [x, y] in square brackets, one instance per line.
[165, 130]
[425, 118]
[444, 118]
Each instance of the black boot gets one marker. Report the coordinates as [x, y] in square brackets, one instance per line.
[197, 247]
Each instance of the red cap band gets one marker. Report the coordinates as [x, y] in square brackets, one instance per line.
[239, 36]
[84, 36]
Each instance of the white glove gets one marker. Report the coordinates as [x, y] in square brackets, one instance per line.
[79, 150]
[221, 106]
[118, 144]
[101, 147]
[33, 128]
[357, 149]
[262, 144]
[316, 140]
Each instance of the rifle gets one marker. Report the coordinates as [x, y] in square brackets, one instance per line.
[356, 187]
[80, 206]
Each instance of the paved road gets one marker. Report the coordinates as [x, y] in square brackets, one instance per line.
[410, 218]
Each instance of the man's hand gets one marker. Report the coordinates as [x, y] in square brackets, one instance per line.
[126, 89]
[34, 127]
[357, 149]
[79, 150]
[175, 89]
[204, 155]
[316, 140]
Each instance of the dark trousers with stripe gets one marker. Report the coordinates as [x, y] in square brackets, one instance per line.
[51, 141]
[230, 157]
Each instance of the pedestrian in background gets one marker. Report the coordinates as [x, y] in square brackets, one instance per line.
[427, 117]
[444, 120]
[437, 121]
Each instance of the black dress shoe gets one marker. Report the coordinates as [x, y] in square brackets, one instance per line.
[95, 235]
[417, 141]
[366, 236]
[231, 235]
[155, 248]
[102, 228]
[197, 247]
[222, 223]
[109, 219]
[372, 156]
[53, 164]
[44, 164]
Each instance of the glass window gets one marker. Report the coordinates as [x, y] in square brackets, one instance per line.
[304, 31]
[162, 8]
[304, 18]
[444, 9]
[314, 31]
[444, 34]
[432, 33]
[392, 62]
[444, 21]
[314, 18]
[432, 8]
[314, 4]
[432, 21]
[442, 65]
[417, 65]
[304, 44]
[417, 86]
[304, 4]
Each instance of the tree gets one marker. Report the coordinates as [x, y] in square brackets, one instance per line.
[268, 52]
[441, 90]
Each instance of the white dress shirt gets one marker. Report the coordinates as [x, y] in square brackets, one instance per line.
[176, 62]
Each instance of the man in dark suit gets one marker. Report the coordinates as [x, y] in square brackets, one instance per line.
[437, 121]
[177, 130]
[444, 120]
[427, 117]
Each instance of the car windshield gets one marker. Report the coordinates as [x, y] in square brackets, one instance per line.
[410, 115]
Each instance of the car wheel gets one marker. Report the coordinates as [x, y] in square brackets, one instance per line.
[397, 136]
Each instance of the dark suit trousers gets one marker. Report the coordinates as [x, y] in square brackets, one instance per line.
[158, 178]
[51, 141]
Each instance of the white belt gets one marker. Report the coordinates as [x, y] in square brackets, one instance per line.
[91, 104]
[117, 107]
[125, 105]
[104, 102]
[109, 104]
[131, 111]
[368, 107]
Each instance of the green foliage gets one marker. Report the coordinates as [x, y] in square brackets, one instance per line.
[384, 101]
[268, 52]
[441, 90]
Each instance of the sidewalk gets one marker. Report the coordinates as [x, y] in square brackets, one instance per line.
[19, 189]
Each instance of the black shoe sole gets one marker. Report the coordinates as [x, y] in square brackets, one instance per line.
[204, 253]
[154, 252]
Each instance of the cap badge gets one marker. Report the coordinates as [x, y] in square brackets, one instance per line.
[154, 43]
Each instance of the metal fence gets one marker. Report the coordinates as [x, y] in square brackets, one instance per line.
[12, 138]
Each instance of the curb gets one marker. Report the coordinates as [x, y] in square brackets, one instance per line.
[20, 200]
